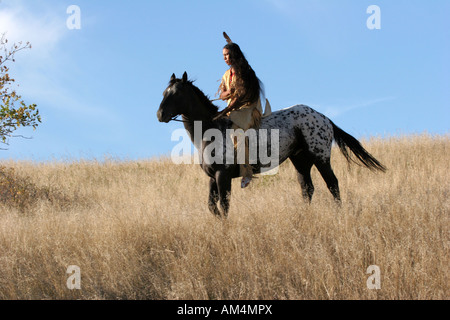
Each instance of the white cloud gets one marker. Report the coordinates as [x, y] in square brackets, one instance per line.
[335, 111]
[36, 70]
[323, 26]
[43, 29]
[42, 72]
[280, 5]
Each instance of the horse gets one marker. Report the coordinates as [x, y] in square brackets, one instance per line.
[305, 137]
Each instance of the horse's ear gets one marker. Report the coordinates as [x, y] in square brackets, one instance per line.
[185, 77]
[172, 78]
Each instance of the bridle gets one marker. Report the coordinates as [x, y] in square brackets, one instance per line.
[184, 121]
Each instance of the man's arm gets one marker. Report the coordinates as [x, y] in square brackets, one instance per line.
[233, 105]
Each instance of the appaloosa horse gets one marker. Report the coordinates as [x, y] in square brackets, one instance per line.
[305, 137]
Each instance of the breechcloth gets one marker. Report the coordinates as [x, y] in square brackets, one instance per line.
[245, 168]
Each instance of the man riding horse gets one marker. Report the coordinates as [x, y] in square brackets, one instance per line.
[242, 89]
[304, 135]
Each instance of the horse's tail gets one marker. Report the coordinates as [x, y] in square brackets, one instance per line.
[346, 141]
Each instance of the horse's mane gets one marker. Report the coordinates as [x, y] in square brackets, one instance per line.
[211, 107]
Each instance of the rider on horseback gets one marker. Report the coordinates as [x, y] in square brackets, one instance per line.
[242, 90]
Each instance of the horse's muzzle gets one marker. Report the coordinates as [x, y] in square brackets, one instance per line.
[162, 116]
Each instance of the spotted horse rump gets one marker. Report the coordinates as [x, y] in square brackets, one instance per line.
[302, 125]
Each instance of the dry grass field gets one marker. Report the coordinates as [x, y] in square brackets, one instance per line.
[142, 230]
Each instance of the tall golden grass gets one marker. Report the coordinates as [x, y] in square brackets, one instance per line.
[142, 230]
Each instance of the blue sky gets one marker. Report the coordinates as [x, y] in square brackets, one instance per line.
[98, 87]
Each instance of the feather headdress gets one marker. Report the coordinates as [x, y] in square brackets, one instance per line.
[227, 38]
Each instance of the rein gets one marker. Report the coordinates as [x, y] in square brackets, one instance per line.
[175, 119]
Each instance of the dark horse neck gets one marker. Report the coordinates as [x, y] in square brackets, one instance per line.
[197, 123]
[197, 127]
[199, 120]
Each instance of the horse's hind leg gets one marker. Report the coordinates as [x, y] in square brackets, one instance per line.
[328, 175]
[303, 164]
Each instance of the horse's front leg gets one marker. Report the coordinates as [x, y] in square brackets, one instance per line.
[223, 180]
[213, 197]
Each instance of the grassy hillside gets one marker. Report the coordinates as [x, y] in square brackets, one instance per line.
[142, 230]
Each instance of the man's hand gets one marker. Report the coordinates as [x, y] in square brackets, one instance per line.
[233, 105]
[225, 95]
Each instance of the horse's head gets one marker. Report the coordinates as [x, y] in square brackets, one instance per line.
[174, 100]
[183, 98]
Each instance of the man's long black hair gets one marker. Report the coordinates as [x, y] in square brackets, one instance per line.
[247, 87]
